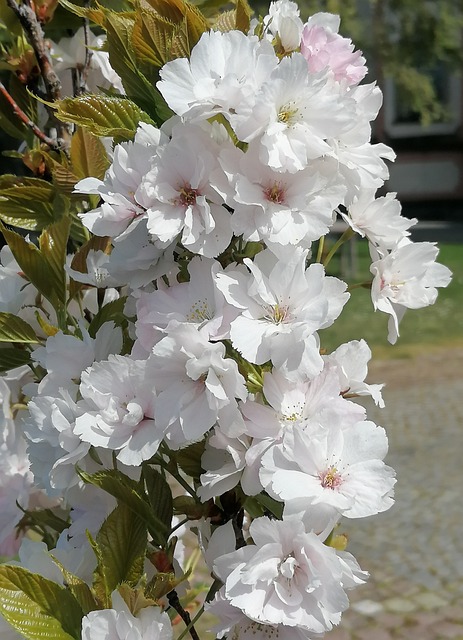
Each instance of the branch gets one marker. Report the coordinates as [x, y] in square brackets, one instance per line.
[36, 37]
[53, 144]
[34, 32]
[174, 602]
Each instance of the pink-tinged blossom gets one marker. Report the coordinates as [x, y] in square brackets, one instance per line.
[223, 74]
[180, 197]
[288, 577]
[280, 207]
[378, 219]
[282, 304]
[197, 386]
[333, 472]
[406, 278]
[120, 396]
[323, 47]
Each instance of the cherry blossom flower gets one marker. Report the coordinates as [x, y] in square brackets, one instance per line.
[120, 211]
[196, 386]
[350, 361]
[180, 197]
[287, 577]
[119, 416]
[294, 115]
[224, 460]
[283, 22]
[71, 53]
[222, 75]
[197, 301]
[282, 304]
[323, 48]
[333, 471]
[120, 624]
[378, 219]
[280, 207]
[406, 278]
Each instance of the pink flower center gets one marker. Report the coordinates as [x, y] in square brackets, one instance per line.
[187, 195]
[330, 479]
[275, 194]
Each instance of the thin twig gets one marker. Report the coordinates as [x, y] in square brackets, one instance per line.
[174, 602]
[88, 55]
[36, 38]
[53, 144]
[34, 32]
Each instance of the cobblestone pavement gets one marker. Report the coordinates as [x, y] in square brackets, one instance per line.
[414, 552]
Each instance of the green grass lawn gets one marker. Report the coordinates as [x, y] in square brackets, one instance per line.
[438, 325]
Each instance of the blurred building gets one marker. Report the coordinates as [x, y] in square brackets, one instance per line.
[429, 165]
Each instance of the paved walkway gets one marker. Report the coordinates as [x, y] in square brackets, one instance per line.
[414, 552]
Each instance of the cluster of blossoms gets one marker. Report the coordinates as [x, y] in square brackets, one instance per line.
[212, 221]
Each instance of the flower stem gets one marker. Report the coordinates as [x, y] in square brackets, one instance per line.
[347, 235]
[321, 244]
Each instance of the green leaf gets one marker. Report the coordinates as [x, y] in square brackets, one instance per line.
[88, 155]
[152, 36]
[159, 495]
[27, 203]
[53, 242]
[269, 504]
[128, 492]
[226, 21]
[79, 589]
[40, 267]
[122, 542]
[113, 311]
[180, 11]
[12, 358]
[96, 15]
[189, 459]
[102, 115]
[38, 608]
[14, 329]
[243, 16]
[123, 60]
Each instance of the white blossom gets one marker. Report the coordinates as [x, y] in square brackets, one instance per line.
[282, 304]
[280, 207]
[120, 398]
[378, 219]
[286, 577]
[196, 386]
[350, 361]
[406, 278]
[334, 471]
[222, 75]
